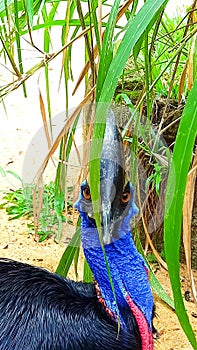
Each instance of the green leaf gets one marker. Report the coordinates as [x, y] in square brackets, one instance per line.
[30, 11]
[2, 172]
[94, 18]
[107, 47]
[158, 288]
[3, 4]
[105, 91]
[108, 79]
[195, 58]
[70, 138]
[155, 284]
[69, 254]
[18, 42]
[135, 29]
[87, 273]
[76, 261]
[15, 175]
[175, 191]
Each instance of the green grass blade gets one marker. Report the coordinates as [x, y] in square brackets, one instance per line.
[4, 4]
[8, 53]
[181, 159]
[135, 29]
[158, 288]
[155, 284]
[99, 129]
[94, 5]
[69, 254]
[30, 11]
[105, 89]
[2, 172]
[15, 175]
[18, 43]
[60, 185]
[87, 273]
[107, 81]
[95, 153]
[70, 137]
[47, 41]
[107, 47]
[76, 261]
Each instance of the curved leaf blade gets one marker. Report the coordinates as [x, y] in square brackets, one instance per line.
[175, 191]
[105, 91]
[70, 252]
[154, 282]
[135, 29]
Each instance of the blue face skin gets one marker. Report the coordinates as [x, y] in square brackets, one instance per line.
[127, 266]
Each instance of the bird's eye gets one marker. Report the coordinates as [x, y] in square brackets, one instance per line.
[86, 193]
[126, 196]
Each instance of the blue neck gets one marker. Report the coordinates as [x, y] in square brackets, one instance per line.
[127, 268]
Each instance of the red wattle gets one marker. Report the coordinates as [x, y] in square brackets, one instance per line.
[145, 331]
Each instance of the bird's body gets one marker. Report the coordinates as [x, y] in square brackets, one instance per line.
[43, 311]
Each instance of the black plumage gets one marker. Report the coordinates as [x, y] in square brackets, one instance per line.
[44, 311]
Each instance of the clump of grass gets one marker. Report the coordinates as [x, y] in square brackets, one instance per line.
[19, 203]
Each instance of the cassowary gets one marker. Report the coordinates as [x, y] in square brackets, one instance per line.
[43, 311]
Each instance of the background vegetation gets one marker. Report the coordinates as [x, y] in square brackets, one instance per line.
[125, 45]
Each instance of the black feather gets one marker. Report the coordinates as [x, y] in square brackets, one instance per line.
[43, 311]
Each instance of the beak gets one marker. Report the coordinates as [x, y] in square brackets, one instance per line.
[106, 229]
[112, 177]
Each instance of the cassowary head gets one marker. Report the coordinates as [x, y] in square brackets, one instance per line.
[116, 196]
[127, 267]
